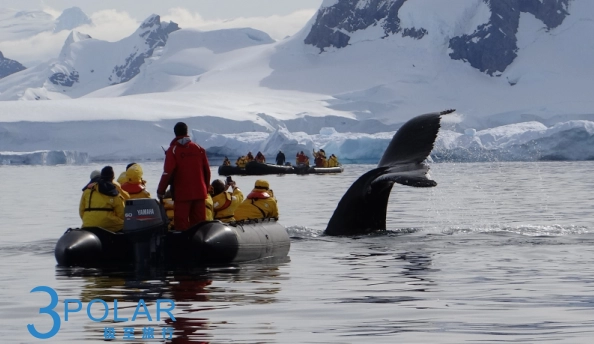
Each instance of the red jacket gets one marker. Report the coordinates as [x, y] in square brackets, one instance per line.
[187, 165]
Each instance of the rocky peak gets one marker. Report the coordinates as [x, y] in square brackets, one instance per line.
[71, 18]
[154, 33]
[8, 66]
[490, 48]
[333, 23]
[493, 46]
[73, 37]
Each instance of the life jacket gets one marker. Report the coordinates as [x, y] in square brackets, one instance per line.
[102, 205]
[259, 204]
[133, 188]
[225, 203]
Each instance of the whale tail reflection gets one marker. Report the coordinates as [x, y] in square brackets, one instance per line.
[363, 207]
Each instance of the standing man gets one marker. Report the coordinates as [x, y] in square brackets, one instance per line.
[186, 168]
[280, 158]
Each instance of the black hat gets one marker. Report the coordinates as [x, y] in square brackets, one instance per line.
[107, 173]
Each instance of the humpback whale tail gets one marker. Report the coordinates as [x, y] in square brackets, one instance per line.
[363, 207]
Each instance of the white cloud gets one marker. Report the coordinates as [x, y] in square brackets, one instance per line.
[53, 12]
[36, 49]
[276, 26]
[108, 25]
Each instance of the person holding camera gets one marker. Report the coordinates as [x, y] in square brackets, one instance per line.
[224, 202]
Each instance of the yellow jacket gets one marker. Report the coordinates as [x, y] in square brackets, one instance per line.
[257, 205]
[333, 162]
[225, 203]
[169, 208]
[99, 210]
[209, 208]
[241, 162]
[134, 184]
[124, 194]
[122, 178]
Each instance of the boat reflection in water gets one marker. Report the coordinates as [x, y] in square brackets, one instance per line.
[194, 291]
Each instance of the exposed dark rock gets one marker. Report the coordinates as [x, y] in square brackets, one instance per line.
[8, 66]
[493, 46]
[155, 34]
[63, 79]
[345, 16]
[490, 48]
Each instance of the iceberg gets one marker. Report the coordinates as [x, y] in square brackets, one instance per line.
[44, 157]
[527, 141]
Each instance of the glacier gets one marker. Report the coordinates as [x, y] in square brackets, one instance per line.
[109, 140]
[528, 141]
[44, 157]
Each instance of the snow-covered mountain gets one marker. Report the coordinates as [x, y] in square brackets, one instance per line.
[483, 33]
[86, 64]
[8, 66]
[18, 25]
[71, 18]
[25, 33]
[357, 64]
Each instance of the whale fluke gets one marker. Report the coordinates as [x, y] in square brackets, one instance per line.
[363, 207]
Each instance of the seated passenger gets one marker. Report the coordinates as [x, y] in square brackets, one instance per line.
[260, 158]
[226, 162]
[241, 161]
[135, 185]
[249, 157]
[320, 158]
[259, 204]
[95, 175]
[225, 203]
[118, 183]
[101, 204]
[333, 161]
[169, 206]
[122, 178]
[302, 159]
[209, 208]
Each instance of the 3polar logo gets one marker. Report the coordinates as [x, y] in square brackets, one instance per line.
[74, 306]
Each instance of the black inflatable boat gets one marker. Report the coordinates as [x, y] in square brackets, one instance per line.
[145, 240]
[254, 168]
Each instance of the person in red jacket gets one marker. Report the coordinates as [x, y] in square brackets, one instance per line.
[186, 168]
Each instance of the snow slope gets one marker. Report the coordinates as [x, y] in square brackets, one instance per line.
[233, 81]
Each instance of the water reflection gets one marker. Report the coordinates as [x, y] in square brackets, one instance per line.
[395, 277]
[195, 292]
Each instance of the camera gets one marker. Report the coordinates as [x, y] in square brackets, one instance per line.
[229, 180]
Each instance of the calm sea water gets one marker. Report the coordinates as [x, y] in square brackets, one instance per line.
[496, 253]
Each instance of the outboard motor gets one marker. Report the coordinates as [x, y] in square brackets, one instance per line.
[145, 224]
